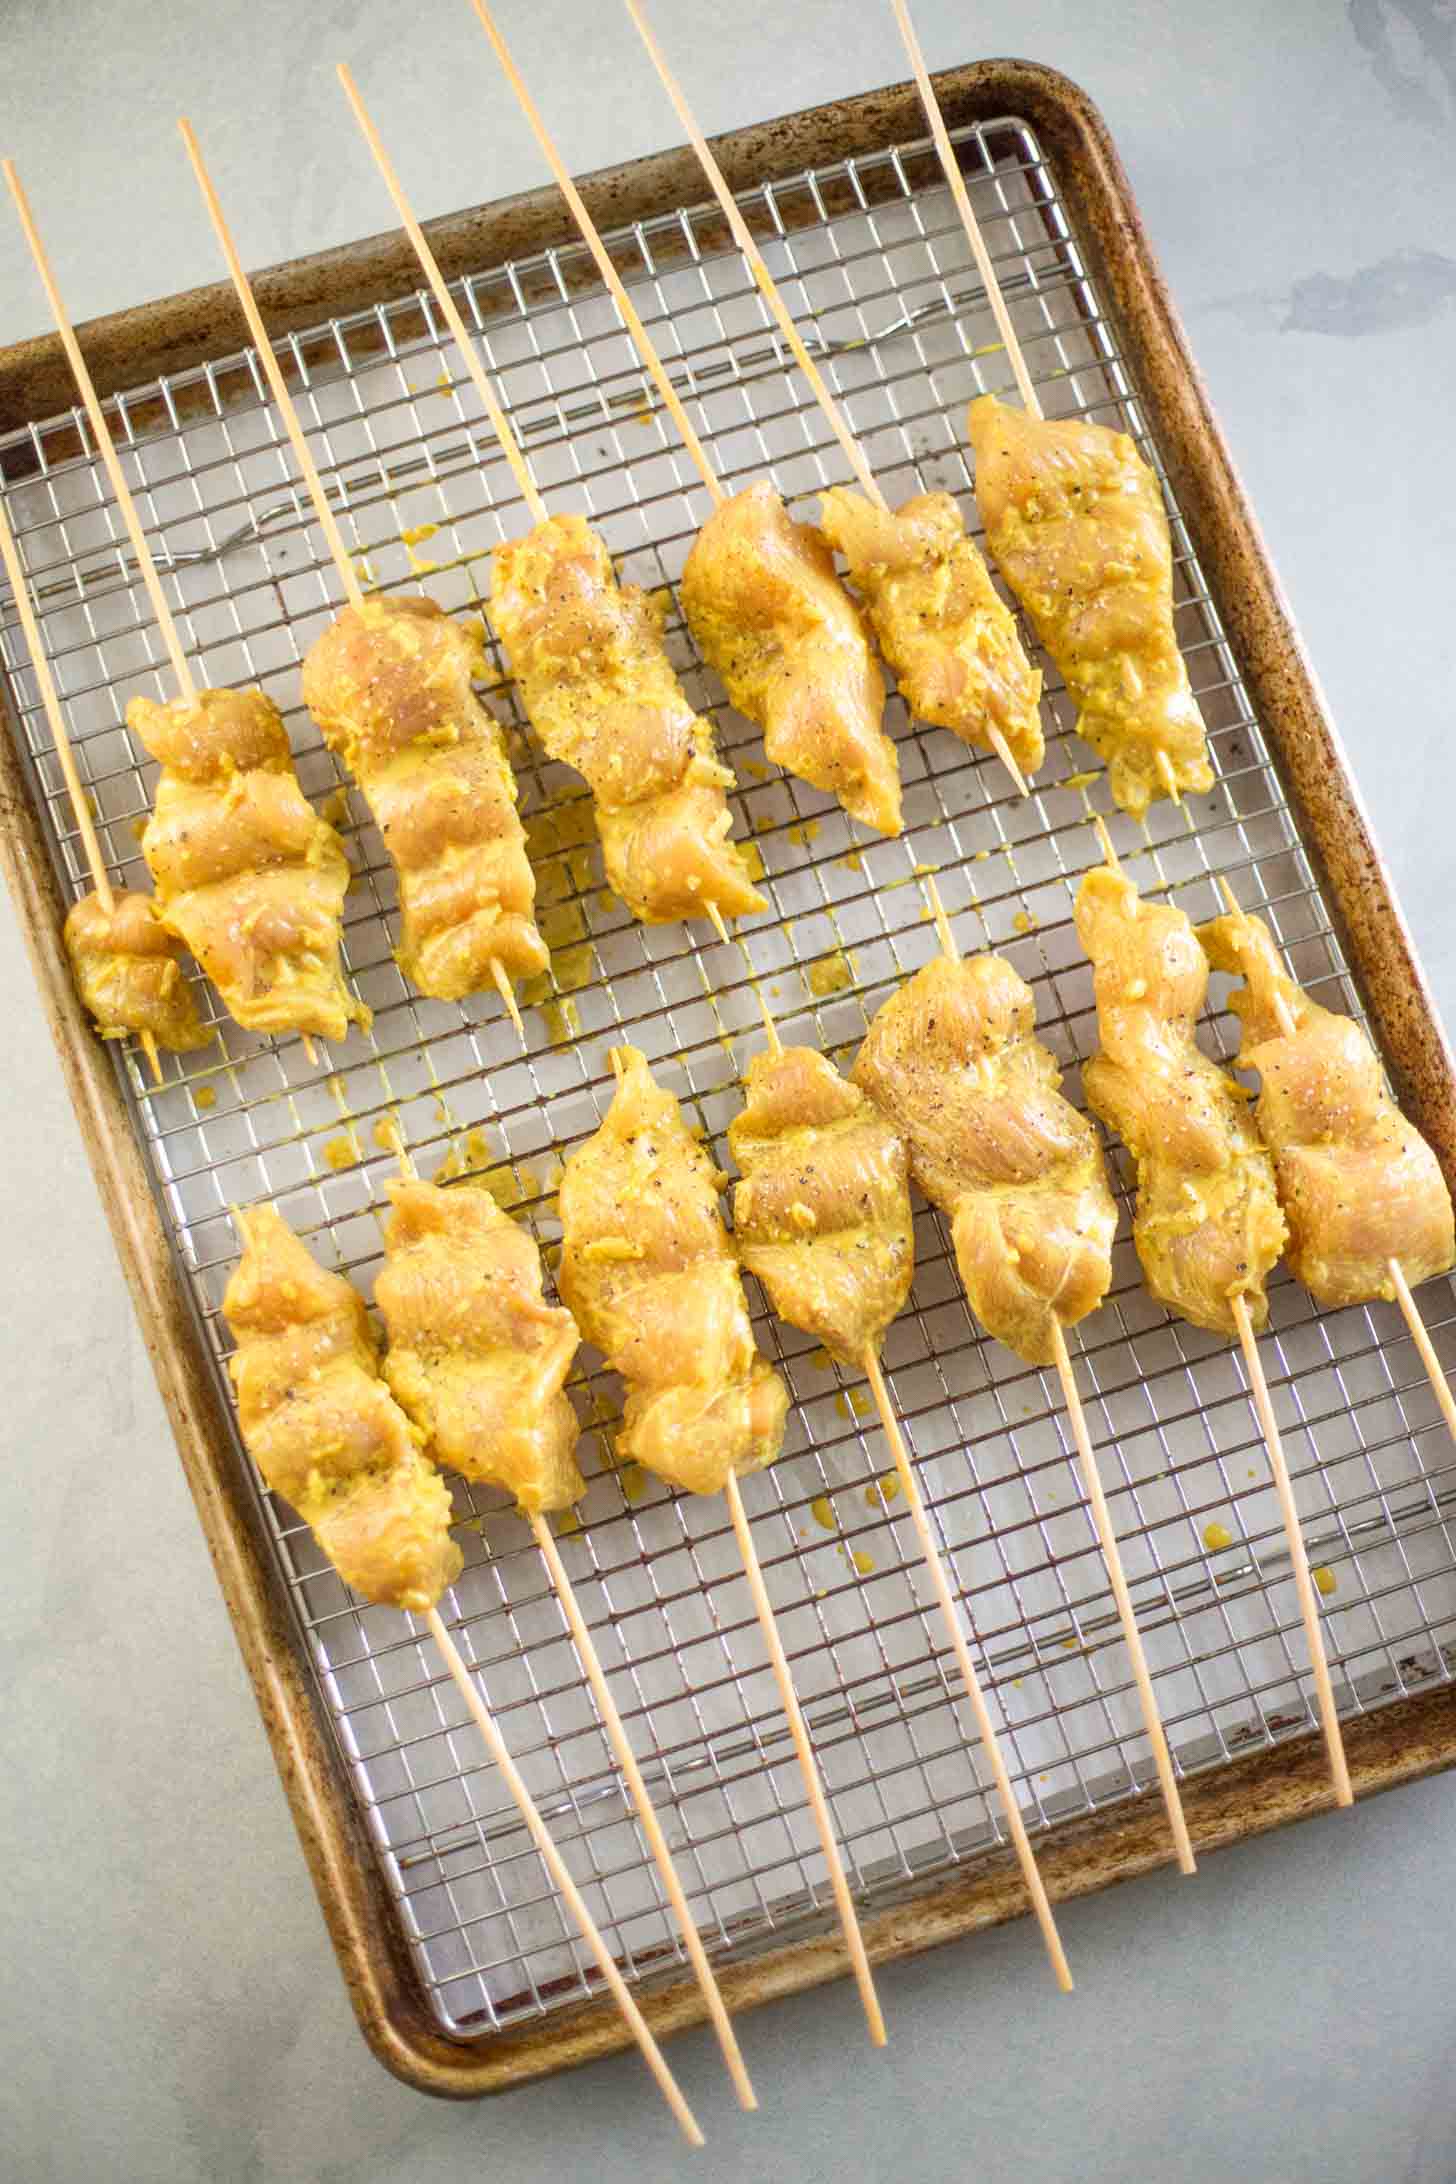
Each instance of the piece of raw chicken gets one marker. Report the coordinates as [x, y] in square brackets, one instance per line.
[650, 1273]
[822, 1215]
[953, 1060]
[247, 875]
[769, 613]
[1358, 1183]
[1207, 1224]
[128, 971]
[1076, 522]
[389, 684]
[940, 621]
[599, 690]
[324, 1429]
[476, 1356]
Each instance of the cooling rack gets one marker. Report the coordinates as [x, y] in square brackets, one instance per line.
[451, 1937]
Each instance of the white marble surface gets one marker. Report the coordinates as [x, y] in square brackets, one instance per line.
[171, 2005]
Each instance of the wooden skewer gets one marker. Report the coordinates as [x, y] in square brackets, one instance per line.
[101, 432]
[343, 562]
[767, 286]
[100, 879]
[783, 317]
[651, 360]
[80, 806]
[1299, 1559]
[808, 1765]
[651, 1825]
[1425, 1348]
[500, 424]
[1132, 1636]
[1106, 1534]
[985, 1727]
[951, 169]
[560, 1874]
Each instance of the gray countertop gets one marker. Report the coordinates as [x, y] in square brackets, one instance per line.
[172, 2006]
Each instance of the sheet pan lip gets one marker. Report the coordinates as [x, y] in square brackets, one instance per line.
[1413, 1737]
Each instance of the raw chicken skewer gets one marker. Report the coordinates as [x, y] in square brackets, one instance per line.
[822, 1217]
[953, 1060]
[478, 1360]
[942, 627]
[246, 873]
[390, 684]
[127, 966]
[649, 1271]
[594, 675]
[1368, 1209]
[1208, 1225]
[759, 590]
[1076, 523]
[328, 1436]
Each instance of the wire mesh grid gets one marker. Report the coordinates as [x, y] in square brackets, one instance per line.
[875, 268]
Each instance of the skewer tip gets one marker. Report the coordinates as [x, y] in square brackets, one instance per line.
[507, 993]
[1110, 856]
[1169, 779]
[943, 931]
[1003, 751]
[149, 1048]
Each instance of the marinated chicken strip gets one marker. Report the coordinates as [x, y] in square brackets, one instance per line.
[1358, 1183]
[649, 1271]
[769, 613]
[942, 625]
[389, 684]
[822, 1215]
[128, 971]
[324, 1429]
[1207, 1224]
[246, 873]
[1076, 522]
[596, 682]
[954, 1062]
[476, 1357]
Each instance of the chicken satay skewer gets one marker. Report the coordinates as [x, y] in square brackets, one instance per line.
[592, 671]
[665, 1306]
[1238, 1309]
[1167, 776]
[852, 1318]
[250, 726]
[104, 894]
[278, 386]
[1102, 1523]
[783, 318]
[447, 1366]
[329, 1437]
[1425, 1349]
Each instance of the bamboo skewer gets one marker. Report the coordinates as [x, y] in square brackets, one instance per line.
[1106, 1534]
[985, 1727]
[651, 1825]
[343, 562]
[66, 757]
[804, 1752]
[1425, 1348]
[560, 1873]
[1298, 1557]
[808, 1765]
[106, 446]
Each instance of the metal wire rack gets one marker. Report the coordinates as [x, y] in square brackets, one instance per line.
[871, 257]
